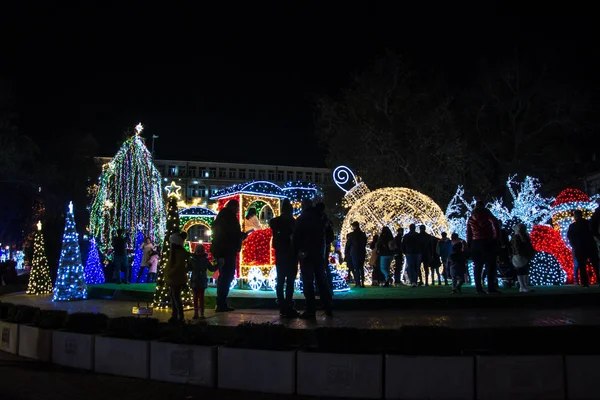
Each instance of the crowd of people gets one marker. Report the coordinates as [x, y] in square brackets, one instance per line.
[305, 241]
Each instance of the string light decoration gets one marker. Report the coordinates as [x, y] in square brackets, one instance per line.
[94, 274]
[272, 278]
[39, 277]
[70, 280]
[391, 207]
[528, 206]
[257, 248]
[299, 191]
[545, 270]
[137, 257]
[128, 196]
[256, 278]
[564, 206]
[339, 284]
[545, 239]
[458, 212]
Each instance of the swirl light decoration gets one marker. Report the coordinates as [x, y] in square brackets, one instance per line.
[391, 207]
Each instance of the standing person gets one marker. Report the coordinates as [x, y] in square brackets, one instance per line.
[121, 263]
[522, 253]
[436, 262]
[444, 249]
[426, 252]
[286, 262]
[455, 239]
[226, 244]
[386, 255]
[457, 263]
[252, 223]
[398, 257]
[412, 247]
[356, 249]
[199, 264]
[329, 237]
[309, 244]
[152, 267]
[595, 226]
[584, 247]
[482, 240]
[147, 248]
[176, 275]
[348, 259]
[374, 262]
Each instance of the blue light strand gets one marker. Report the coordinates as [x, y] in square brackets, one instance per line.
[137, 258]
[70, 281]
[94, 274]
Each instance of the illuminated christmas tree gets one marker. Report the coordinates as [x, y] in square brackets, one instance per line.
[70, 280]
[137, 257]
[94, 274]
[128, 195]
[161, 295]
[39, 277]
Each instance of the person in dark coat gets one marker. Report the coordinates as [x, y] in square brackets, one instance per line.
[309, 245]
[329, 237]
[398, 257]
[483, 239]
[412, 247]
[457, 263]
[121, 263]
[176, 274]
[348, 259]
[226, 244]
[444, 249]
[385, 253]
[426, 253]
[595, 225]
[199, 265]
[356, 248]
[286, 262]
[584, 247]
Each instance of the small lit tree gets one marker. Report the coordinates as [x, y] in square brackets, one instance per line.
[39, 277]
[94, 274]
[70, 280]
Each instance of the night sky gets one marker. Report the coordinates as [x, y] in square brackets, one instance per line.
[239, 83]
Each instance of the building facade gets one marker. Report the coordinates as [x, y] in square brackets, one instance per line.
[592, 184]
[200, 180]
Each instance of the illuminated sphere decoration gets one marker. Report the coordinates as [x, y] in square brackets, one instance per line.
[391, 207]
[545, 270]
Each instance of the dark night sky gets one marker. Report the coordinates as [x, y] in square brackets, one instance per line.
[236, 83]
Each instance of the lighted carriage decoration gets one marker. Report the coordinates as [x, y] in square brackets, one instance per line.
[256, 262]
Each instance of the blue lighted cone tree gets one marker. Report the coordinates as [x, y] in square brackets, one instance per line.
[70, 279]
[39, 277]
[137, 257]
[128, 196]
[94, 274]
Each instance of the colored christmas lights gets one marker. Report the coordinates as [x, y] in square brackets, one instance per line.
[545, 270]
[39, 277]
[128, 196]
[256, 278]
[391, 207]
[257, 248]
[258, 188]
[70, 280]
[94, 274]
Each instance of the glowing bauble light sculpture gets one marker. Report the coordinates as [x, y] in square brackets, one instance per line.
[389, 207]
[563, 207]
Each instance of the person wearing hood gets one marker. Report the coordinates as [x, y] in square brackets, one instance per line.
[176, 275]
[483, 233]
[199, 265]
[522, 253]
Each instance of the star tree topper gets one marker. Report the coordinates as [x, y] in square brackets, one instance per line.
[173, 190]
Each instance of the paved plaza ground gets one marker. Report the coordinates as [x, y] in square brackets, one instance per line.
[377, 319]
